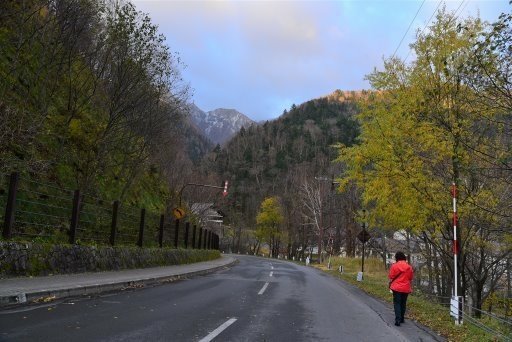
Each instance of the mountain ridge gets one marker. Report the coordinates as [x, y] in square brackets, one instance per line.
[219, 125]
[276, 157]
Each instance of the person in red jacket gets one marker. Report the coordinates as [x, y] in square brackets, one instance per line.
[400, 278]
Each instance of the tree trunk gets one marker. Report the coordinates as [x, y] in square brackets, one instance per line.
[477, 300]
[239, 238]
[509, 291]
[428, 248]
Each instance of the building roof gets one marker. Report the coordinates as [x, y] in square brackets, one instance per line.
[395, 245]
[207, 212]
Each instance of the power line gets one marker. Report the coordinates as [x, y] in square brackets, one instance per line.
[458, 8]
[455, 16]
[407, 31]
[426, 25]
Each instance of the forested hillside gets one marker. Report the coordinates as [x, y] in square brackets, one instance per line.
[91, 97]
[281, 156]
[196, 143]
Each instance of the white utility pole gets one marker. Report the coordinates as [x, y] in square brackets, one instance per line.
[456, 301]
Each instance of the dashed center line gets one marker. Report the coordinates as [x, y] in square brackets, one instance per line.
[217, 331]
[271, 273]
[263, 289]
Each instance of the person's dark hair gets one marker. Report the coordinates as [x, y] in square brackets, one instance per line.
[400, 256]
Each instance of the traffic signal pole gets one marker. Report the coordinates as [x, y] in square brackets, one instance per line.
[224, 187]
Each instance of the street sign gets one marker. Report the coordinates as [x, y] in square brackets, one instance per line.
[178, 213]
[364, 236]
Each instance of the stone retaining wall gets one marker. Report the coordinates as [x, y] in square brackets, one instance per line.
[30, 259]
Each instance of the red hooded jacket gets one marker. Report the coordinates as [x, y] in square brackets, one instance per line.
[402, 274]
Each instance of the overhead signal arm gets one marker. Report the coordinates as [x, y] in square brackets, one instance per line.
[224, 187]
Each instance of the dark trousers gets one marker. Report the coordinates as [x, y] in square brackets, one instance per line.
[399, 302]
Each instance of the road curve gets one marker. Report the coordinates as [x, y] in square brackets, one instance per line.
[258, 299]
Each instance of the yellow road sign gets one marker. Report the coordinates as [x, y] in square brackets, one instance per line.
[178, 213]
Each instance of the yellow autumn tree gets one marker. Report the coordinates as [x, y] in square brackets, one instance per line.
[420, 129]
[269, 220]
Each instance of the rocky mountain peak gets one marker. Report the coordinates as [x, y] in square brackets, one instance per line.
[219, 125]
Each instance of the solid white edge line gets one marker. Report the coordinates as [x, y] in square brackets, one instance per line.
[263, 289]
[217, 331]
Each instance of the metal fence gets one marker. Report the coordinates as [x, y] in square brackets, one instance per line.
[43, 212]
[498, 326]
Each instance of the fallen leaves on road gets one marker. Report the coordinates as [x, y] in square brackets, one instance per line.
[133, 285]
[44, 299]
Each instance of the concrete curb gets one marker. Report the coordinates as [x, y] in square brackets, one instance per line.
[42, 296]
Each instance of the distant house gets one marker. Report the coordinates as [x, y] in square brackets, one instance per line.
[412, 247]
[207, 213]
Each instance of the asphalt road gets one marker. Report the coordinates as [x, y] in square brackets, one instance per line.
[256, 300]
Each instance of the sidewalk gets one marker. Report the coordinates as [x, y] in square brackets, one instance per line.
[26, 290]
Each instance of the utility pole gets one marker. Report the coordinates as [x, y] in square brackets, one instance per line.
[321, 233]
[456, 301]
[364, 242]
[363, 236]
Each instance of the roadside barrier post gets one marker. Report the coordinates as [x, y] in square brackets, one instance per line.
[74, 217]
[187, 227]
[200, 236]
[141, 227]
[194, 237]
[205, 231]
[113, 227]
[161, 231]
[10, 208]
[176, 233]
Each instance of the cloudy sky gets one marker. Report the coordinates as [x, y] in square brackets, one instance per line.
[260, 57]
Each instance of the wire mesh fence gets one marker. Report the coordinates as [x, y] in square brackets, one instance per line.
[4, 186]
[42, 211]
[151, 229]
[499, 327]
[95, 218]
[37, 211]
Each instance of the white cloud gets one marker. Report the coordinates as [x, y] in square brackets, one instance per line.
[258, 55]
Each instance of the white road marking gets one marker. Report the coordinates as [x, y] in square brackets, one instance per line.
[263, 289]
[271, 273]
[217, 331]
[271, 267]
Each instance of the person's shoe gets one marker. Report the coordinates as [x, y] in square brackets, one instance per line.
[402, 320]
[397, 323]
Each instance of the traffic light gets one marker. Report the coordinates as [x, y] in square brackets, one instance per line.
[225, 192]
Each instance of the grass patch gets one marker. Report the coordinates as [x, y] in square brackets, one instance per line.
[419, 307]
